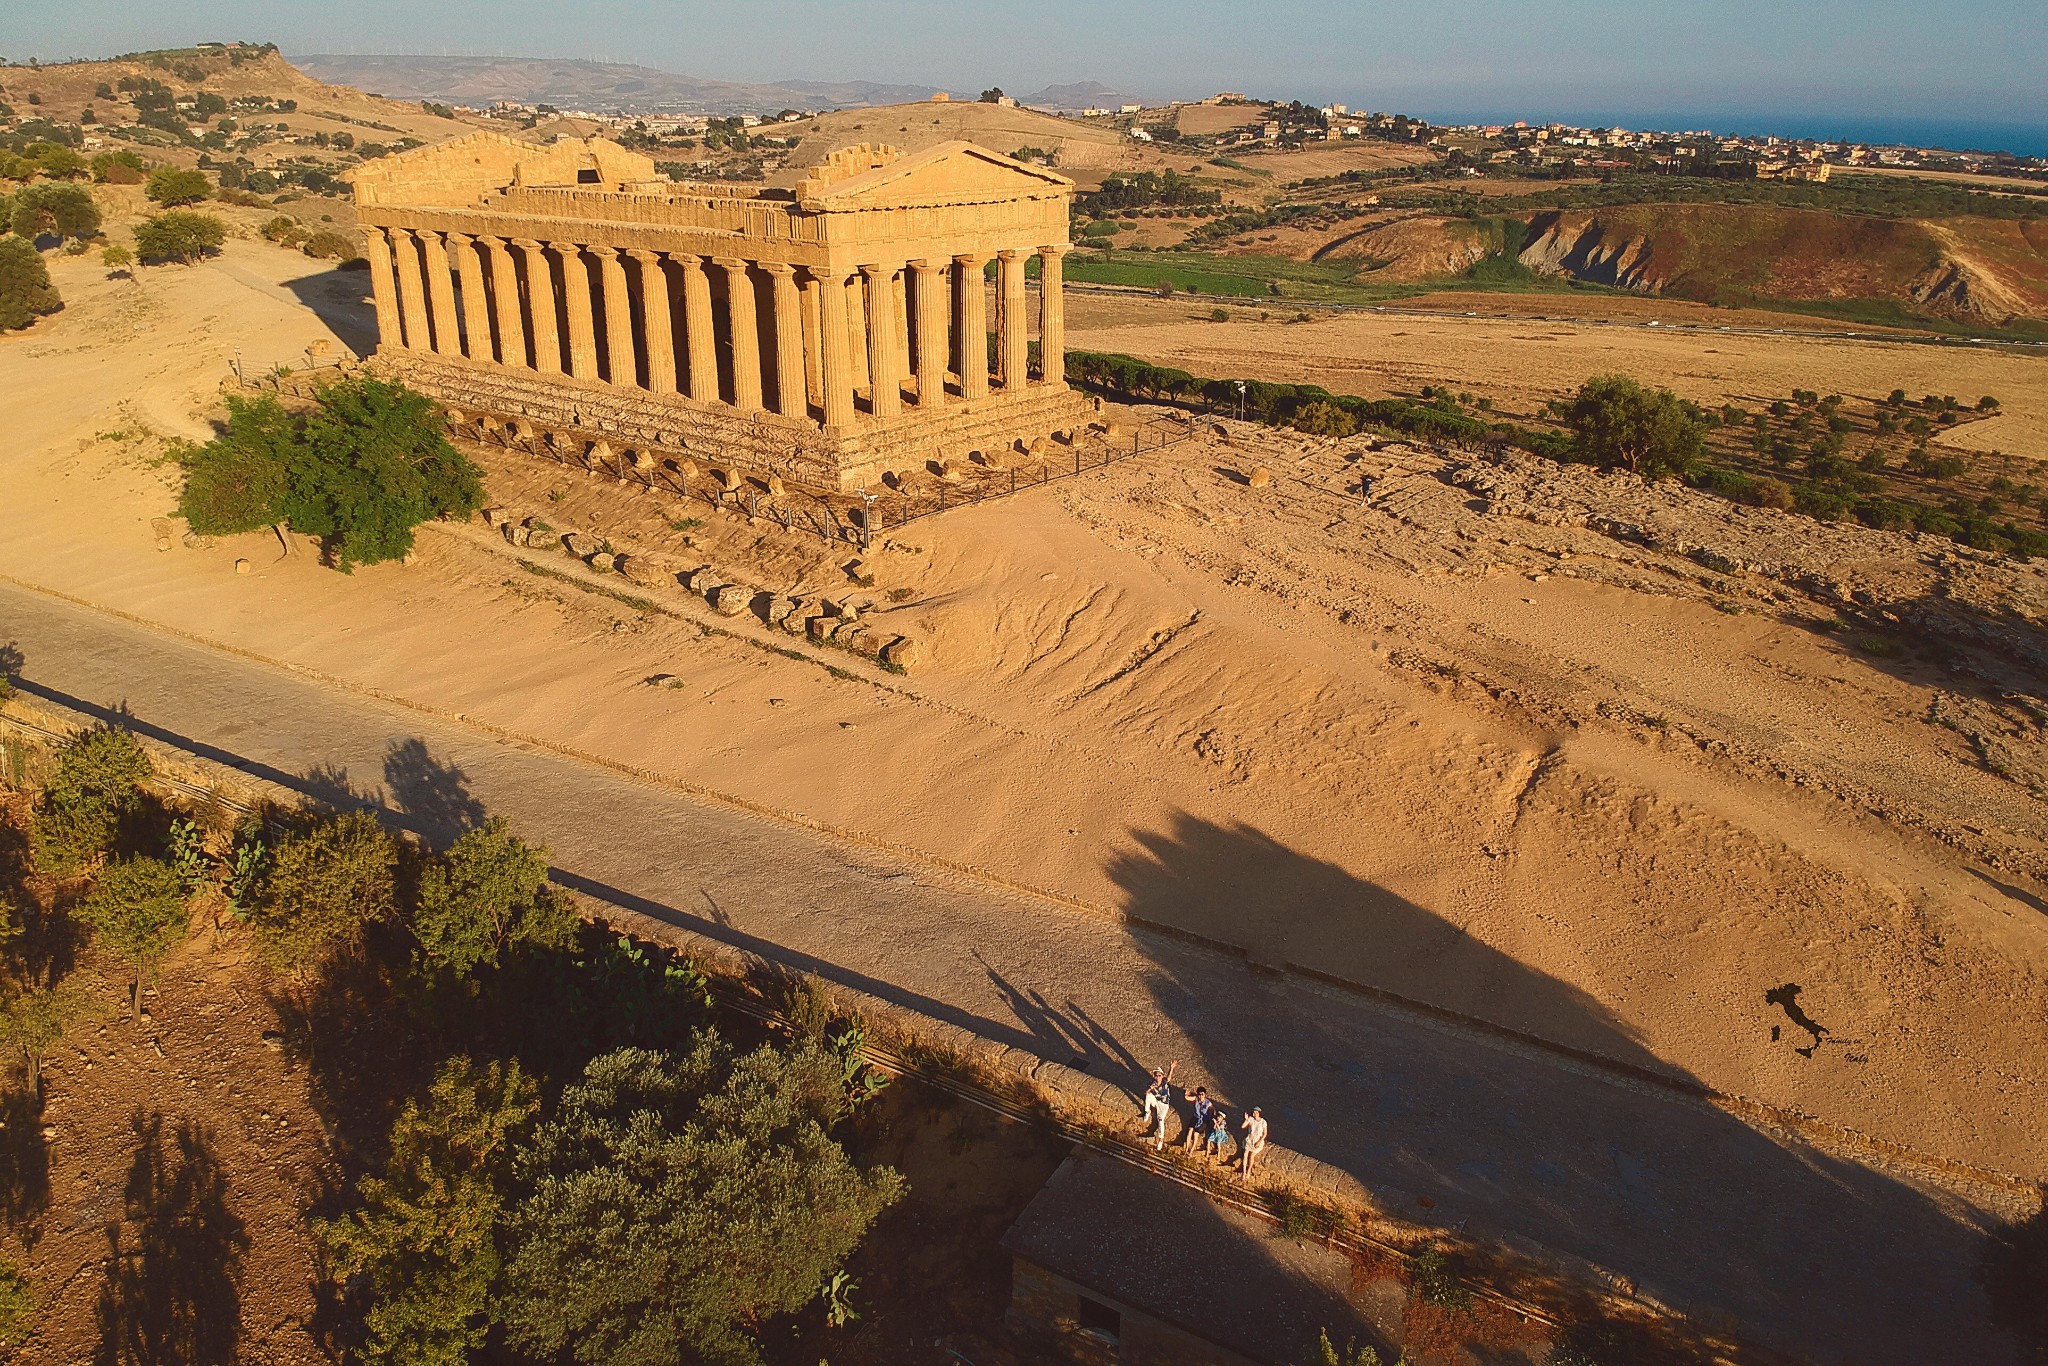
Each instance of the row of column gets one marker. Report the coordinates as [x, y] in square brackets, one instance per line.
[832, 333]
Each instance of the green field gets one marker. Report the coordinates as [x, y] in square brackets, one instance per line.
[1279, 280]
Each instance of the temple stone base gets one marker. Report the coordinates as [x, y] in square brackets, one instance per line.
[529, 406]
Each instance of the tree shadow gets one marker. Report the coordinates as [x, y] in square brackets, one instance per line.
[434, 796]
[173, 1297]
[1514, 1103]
[24, 1161]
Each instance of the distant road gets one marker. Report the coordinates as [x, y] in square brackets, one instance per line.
[1810, 1252]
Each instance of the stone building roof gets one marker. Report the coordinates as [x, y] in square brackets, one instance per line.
[1165, 1250]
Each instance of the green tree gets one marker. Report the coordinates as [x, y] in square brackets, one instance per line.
[25, 289]
[34, 1018]
[325, 885]
[179, 235]
[489, 894]
[137, 910]
[374, 462]
[237, 481]
[172, 187]
[425, 1238]
[116, 258]
[91, 800]
[54, 208]
[1617, 422]
[677, 1200]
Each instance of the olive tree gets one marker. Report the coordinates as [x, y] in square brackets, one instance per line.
[324, 887]
[487, 895]
[1617, 422]
[424, 1241]
[678, 1199]
[137, 910]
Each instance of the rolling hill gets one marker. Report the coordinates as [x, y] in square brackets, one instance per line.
[602, 87]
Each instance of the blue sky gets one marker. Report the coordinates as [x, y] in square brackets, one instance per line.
[1725, 62]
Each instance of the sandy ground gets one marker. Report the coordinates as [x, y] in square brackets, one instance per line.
[1523, 361]
[1150, 666]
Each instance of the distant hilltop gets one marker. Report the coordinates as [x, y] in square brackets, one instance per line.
[597, 86]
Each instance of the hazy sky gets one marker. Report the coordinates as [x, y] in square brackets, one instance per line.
[1953, 60]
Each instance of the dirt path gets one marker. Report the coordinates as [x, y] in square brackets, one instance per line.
[1700, 1211]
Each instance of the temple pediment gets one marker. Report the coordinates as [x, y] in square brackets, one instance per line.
[949, 173]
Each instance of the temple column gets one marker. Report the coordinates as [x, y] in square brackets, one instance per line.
[540, 294]
[971, 296]
[857, 330]
[1052, 314]
[885, 386]
[412, 292]
[786, 309]
[576, 301]
[899, 296]
[383, 289]
[930, 324]
[505, 295]
[1013, 345]
[441, 297]
[476, 309]
[814, 339]
[746, 334]
[698, 339]
[834, 346]
[621, 366]
[657, 335]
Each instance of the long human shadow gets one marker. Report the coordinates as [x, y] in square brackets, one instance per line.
[1592, 1149]
[173, 1296]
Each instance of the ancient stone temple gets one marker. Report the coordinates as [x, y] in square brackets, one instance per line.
[829, 333]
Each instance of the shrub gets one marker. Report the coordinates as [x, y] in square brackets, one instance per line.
[372, 463]
[237, 481]
[489, 894]
[137, 910]
[17, 1306]
[325, 886]
[1617, 422]
[424, 1241]
[172, 187]
[285, 230]
[1324, 419]
[116, 258]
[92, 801]
[123, 167]
[25, 289]
[54, 208]
[678, 1199]
[329, 245]
[179, 235]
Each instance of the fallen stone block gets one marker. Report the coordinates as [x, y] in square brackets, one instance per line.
[731, 599]
[902, 652]
[581, 545]
[604, 562]
[1259, 478]
[241, 566]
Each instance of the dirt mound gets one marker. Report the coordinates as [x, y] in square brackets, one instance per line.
[1425, 248]
[1983, 270]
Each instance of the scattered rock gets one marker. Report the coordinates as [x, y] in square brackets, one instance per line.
[1259, 478]
[729, 600]
[273, 1040]
[241, 566]
[580, 545]
[604, 562]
